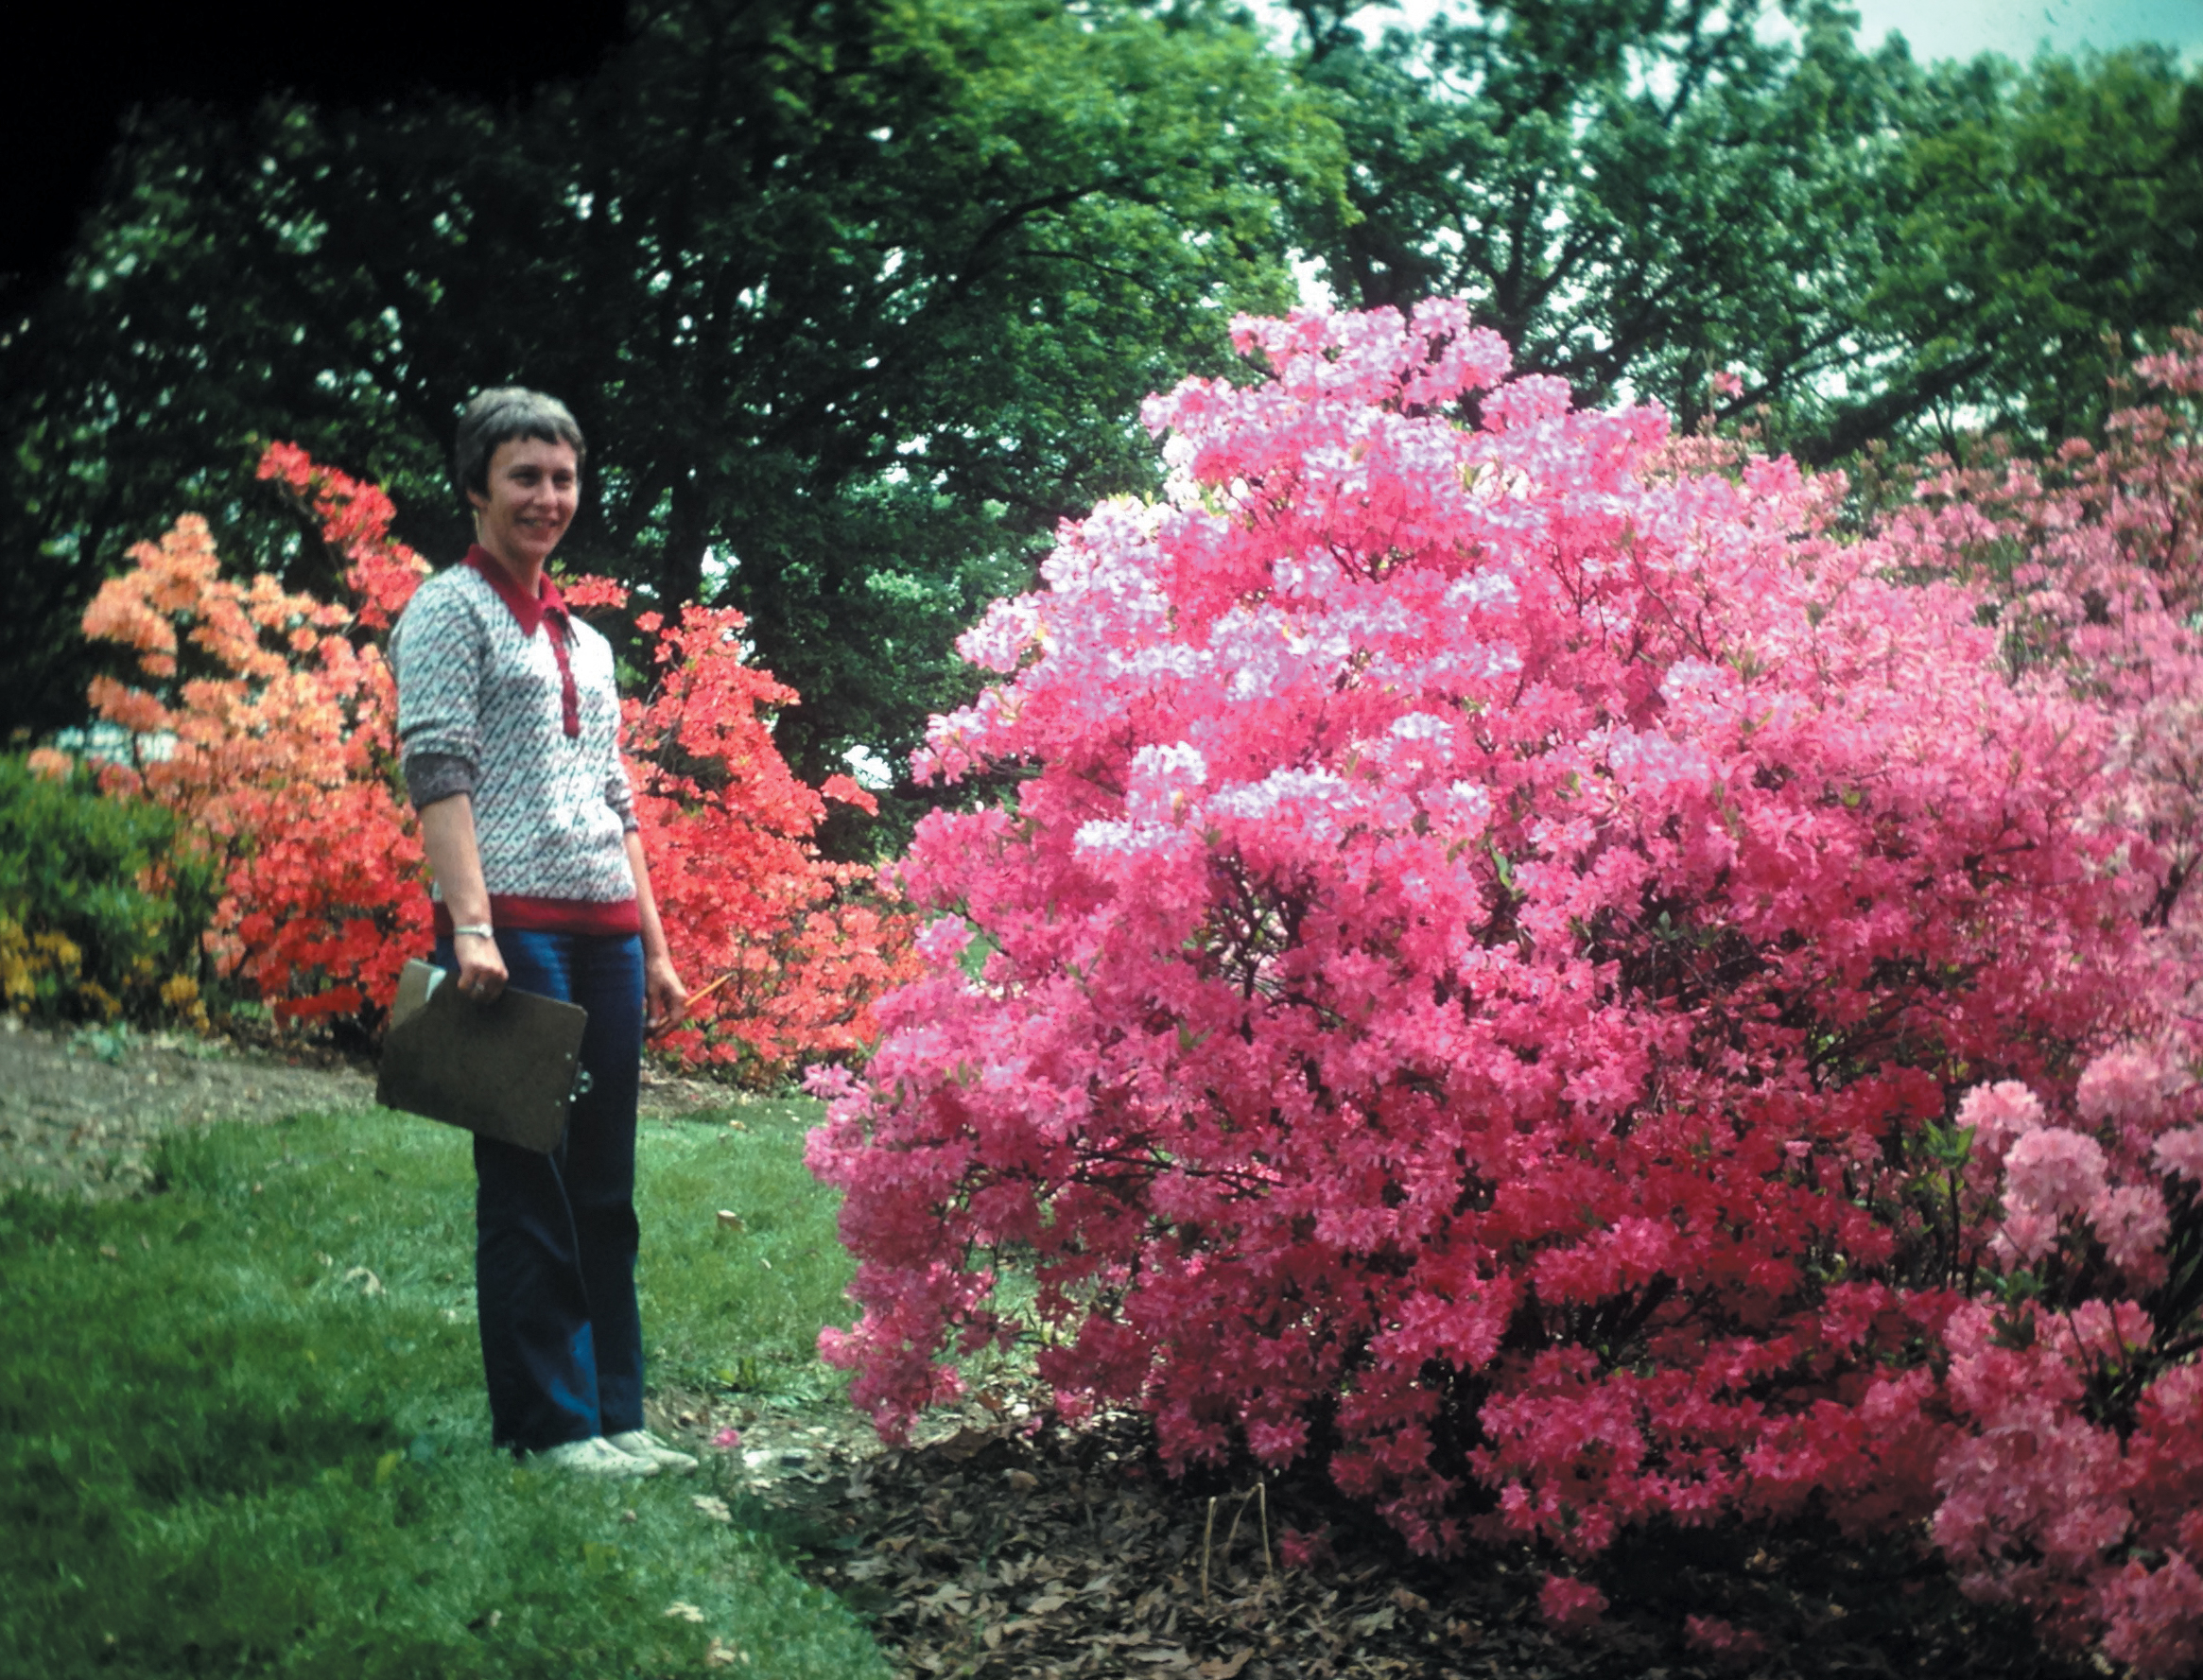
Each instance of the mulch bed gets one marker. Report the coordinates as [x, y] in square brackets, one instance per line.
[1012, 1548]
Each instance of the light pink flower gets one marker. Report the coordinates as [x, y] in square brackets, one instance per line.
[2181, 1152]
[2132, 1084]
[2000, 1115]
[2131, 1222]
[2055, 1171]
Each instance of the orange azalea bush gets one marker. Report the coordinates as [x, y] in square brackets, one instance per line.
[269, 732]
[266, 719]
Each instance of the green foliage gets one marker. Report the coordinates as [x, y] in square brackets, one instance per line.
[101, 902]
[241, 1427]
[2047, 216]
[1638, 194]
[854, 302]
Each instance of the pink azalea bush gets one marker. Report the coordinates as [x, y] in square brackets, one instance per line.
[2075, 1484]
[1548, 978]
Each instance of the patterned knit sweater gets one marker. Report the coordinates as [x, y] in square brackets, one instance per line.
[488, 707]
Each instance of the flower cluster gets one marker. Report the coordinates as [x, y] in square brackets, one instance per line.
[1549, 980]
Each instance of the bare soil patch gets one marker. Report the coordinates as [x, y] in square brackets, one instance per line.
[81, 1112]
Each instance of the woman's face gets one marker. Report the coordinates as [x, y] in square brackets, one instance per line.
[534, 488]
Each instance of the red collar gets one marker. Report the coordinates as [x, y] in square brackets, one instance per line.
[529, 616]
[527, 613]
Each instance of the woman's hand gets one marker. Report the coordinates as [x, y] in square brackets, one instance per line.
[447, 834]
[481, 966]
[664, 995]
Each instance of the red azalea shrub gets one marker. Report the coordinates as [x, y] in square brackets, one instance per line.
[1514, 967]
[266, 719]
[793, 949]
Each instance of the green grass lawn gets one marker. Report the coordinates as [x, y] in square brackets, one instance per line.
[242, 1428]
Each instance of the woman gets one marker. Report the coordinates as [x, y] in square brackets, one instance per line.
[509, 722]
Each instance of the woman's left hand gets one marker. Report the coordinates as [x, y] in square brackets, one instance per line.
[663, 993]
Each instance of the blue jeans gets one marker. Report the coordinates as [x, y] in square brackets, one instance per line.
[556, 1235]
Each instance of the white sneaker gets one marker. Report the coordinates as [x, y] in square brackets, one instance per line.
[594, 1456]
[646, 1448]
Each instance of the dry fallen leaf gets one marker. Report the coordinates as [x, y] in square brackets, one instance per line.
[1226, 1667]
[714, 1508]
[1375, 1621]
[681, 1610]
[965, 1444]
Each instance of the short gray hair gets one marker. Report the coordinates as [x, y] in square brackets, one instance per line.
[499, 416]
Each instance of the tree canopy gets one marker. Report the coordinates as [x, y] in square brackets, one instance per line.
[854, 302]
[1638, 194]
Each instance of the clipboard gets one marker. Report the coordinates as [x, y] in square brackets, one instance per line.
[504, 1069]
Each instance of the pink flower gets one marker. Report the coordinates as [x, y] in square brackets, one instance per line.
[2000, 1115]
[1452, 893]
[2181, 1152]
[2026, 1235]
[2131, 1222]
[727, 1439]
[1727, 385]
[1724, 1639]
[2055, 1171]
[2153, 1617]
[1569, 1603]
[943, 940]
[2132, 1084]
